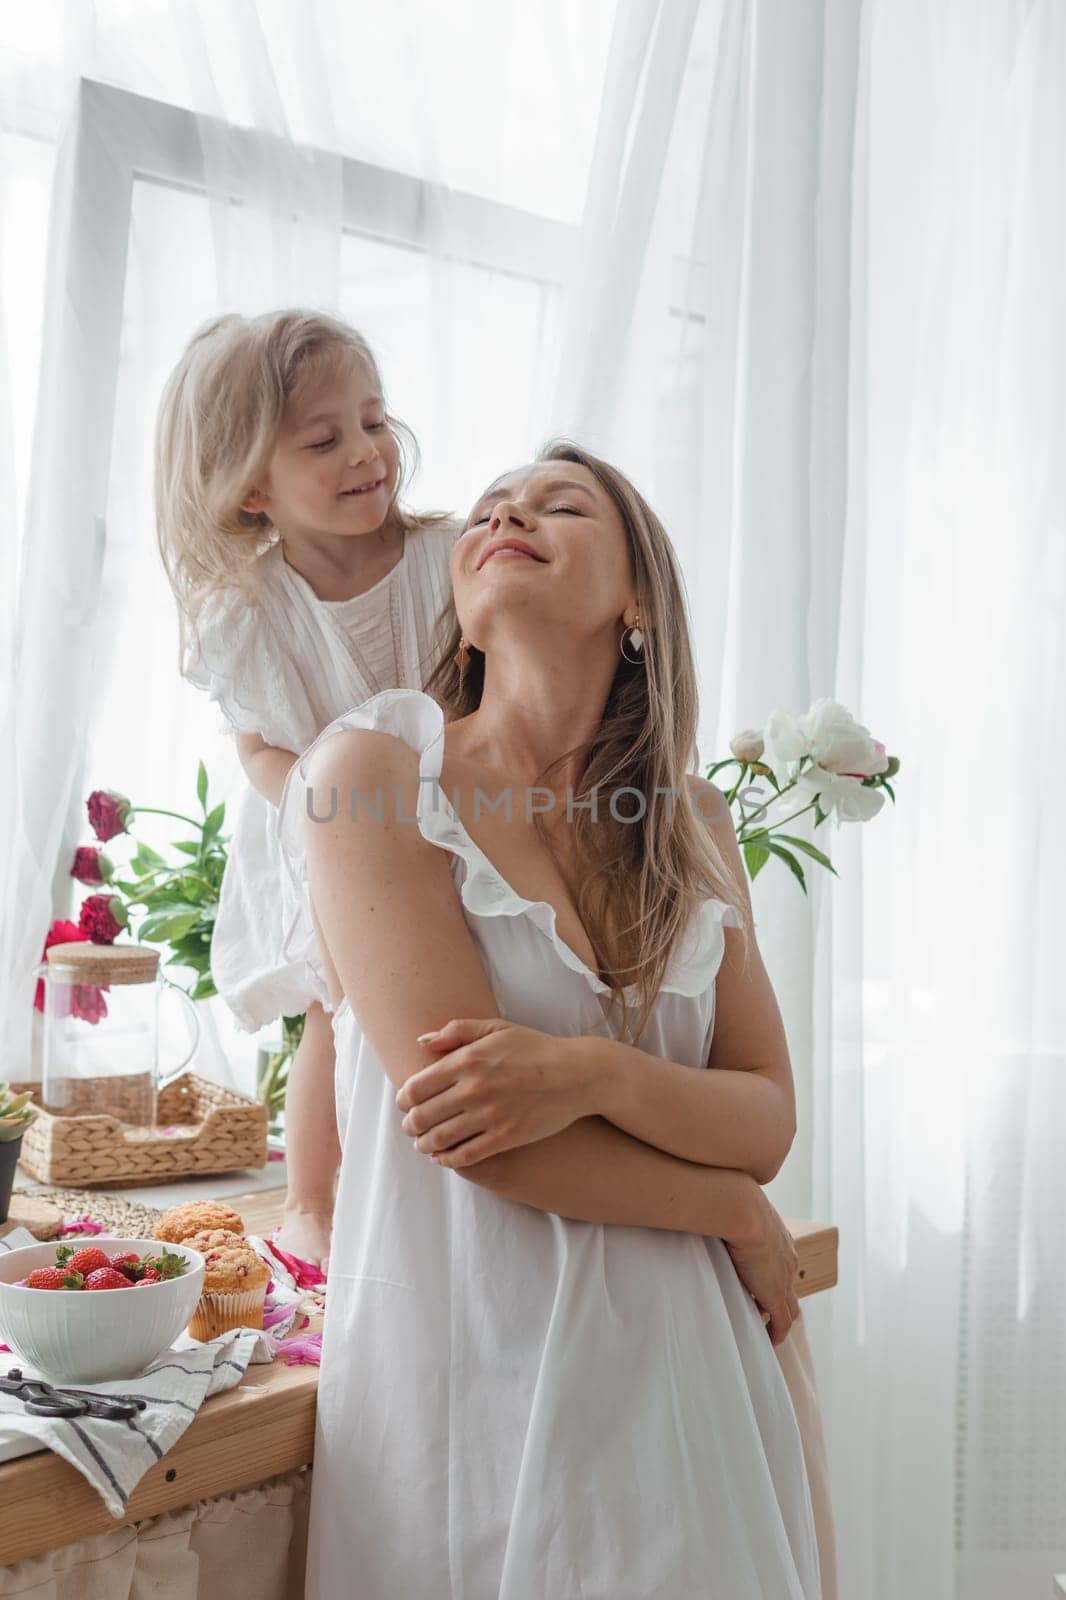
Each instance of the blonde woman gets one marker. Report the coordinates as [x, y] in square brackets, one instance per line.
[303, 586]
[545, 1367]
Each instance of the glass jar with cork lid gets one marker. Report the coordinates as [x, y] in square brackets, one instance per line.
[103, 1008]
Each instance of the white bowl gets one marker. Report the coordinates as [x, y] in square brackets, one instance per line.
[90, 1336]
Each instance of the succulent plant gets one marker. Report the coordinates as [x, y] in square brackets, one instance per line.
[16, 1112]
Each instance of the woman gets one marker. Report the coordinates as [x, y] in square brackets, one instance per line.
[545, 1372]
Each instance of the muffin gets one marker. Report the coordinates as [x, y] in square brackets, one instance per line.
[235, 1284]
[200, 1216]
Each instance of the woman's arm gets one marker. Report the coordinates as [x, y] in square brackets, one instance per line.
[266, 766]
[742, 1118]
[391, 923]
[742, 1113]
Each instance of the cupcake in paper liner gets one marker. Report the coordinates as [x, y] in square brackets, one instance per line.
[235, 1284]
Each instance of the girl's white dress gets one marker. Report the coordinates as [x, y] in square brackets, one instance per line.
[515, 1406]
[283, 668]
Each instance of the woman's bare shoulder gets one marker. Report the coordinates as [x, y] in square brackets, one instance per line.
[367, 774]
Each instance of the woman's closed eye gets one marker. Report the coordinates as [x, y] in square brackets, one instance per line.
[573, 510]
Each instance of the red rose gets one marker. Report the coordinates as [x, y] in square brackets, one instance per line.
[102, 917]
[91, 866]
[87, 1002]
[109, 813]
[58, 933]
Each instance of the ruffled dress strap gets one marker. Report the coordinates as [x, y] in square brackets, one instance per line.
[417, 719]
[236, 656]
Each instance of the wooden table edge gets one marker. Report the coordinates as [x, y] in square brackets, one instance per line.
[264, 1427]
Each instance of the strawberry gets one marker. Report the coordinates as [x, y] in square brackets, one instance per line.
[87, 1260]
[168, 1265]
[150, 1276]
[46, 1278]
[107, 1278]
[129, 1263]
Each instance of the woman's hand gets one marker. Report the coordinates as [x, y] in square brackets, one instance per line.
[493, 1086]
[765, 1257]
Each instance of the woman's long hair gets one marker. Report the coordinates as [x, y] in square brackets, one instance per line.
[640, 882]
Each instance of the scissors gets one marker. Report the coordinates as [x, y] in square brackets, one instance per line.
[41, 1400]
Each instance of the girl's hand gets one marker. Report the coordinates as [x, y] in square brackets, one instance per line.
[765, 1257]
[493, 1086]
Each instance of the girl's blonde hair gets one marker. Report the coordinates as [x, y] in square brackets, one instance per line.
[639, 882]
[218, 422]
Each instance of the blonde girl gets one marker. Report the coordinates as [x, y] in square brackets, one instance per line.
[303, 588]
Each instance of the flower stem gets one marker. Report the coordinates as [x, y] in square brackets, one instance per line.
[783, 822]
[156, 812]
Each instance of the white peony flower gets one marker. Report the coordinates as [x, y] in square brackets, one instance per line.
[840, 794]
[747, 746]
[829, 735]
[784, 745]
[836, 742]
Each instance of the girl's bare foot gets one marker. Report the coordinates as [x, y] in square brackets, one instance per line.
[306, 1233]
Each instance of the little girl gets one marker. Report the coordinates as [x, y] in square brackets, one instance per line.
[303, 588]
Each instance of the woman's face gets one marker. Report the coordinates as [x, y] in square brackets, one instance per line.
[335, 463]
[578, 577]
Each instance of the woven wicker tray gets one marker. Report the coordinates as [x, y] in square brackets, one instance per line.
[214, 1130]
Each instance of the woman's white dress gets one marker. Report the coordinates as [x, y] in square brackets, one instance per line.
[514, 1406]
[284, 667]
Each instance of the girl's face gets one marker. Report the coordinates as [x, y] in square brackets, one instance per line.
[335, 463]
[579, 577]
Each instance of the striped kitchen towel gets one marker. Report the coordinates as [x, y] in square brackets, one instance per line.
[114, 1456]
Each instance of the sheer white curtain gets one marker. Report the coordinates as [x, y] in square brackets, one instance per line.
[797, 267]
[940, 1039]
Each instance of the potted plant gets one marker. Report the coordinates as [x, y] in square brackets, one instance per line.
[16, 1113]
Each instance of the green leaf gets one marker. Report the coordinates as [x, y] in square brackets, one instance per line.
[201, 786]
[164, 897]
[891, 791]
[146, 859]
[187, 847]
[204, 989]
[790, 861]
[716, 766]
[755, 857]
[132, 891]
[164, 926]
[810, 850]
[213, 821]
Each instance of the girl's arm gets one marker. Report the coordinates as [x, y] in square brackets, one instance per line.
[266, 766]
[389, 917]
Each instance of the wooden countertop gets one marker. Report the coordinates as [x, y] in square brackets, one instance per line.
[264, 1427]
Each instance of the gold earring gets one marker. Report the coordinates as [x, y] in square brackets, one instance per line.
[633, 636]
[462, 655]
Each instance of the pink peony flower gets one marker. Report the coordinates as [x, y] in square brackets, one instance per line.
[109, 813]
[102, 917]
[305, 1274]
[302, 1350]
[82, 1224]
[91, 866]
